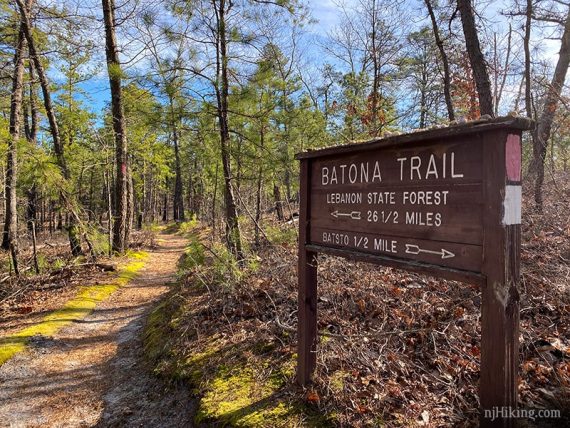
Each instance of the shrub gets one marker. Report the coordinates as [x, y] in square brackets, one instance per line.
[281, 234]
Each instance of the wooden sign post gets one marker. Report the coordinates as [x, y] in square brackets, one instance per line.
[444, 202]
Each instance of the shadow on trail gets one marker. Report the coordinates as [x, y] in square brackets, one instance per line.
[136, 397]
[113, 315]
[30, 387]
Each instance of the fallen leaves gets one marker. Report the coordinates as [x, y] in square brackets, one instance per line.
[406, 347]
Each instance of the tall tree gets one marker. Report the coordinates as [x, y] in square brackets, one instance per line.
[222, 28]
[551, 100]
[169, 79]
[420, 69]
[233, 235]
[369, 42]
[10, 237]
[120, 221]
[73, 228]
[526, 44]
[476, 58]
[444, 61]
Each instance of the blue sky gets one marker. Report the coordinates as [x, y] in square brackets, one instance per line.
[326, 13]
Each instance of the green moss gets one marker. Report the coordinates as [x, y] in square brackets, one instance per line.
[244, 384]
[337, 381]
[137, 255]
[80, 306]
[235, 397]
[194, 366]
[155, 332]
[230, 396]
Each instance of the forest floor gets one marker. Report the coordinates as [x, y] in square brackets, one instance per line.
[395, 348]
[92, 372]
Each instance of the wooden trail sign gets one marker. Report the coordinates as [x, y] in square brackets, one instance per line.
[444, 202]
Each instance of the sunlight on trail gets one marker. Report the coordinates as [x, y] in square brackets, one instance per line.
[75, 309]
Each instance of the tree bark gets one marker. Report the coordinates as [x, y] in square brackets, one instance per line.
[476, 58]
[233, 234]
[10, 237]
[121, 184]
[526, 44]
[278, 202]
[259, 186]
[32, 208]
[165, 203]
[130, 205]
[31, 121]
[107, 180]
[376, 129]
[544, 125]
[444, 62]
[73, 226]
[505, 72]
[48, 105]
[178, 202]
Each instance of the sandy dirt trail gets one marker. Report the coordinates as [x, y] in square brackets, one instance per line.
[91, 373]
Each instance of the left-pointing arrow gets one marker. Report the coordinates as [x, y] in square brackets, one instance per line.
[355, 215]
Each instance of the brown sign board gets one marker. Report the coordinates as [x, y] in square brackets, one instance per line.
[445, 202]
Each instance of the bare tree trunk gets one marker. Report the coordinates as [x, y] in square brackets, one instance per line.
[178, 199]
[444, 62]
[278, 203]
[91, 206]
[31, 119]
[423, 101]
[107, 180]
[259, 187]
[526, 44]
[54, 129]
[34, 247]
[375, 128]
[32, 208]
[233, 234]
[10, 238]
[178, 203]
[476, 58]
[74, 240]
[505, 72]
[165, 204]
[214, 197]
[119, 129]
[33, 103]
[130, 205]
[544, 125]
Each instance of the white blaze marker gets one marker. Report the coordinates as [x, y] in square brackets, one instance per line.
[512, 205]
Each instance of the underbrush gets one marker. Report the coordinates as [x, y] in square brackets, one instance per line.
[395, 349]
[60, 272]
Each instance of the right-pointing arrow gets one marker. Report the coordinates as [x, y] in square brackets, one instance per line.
[445, 254]
[415, 249]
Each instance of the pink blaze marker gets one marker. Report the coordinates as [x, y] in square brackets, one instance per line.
[513, 157]
[124, 168]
